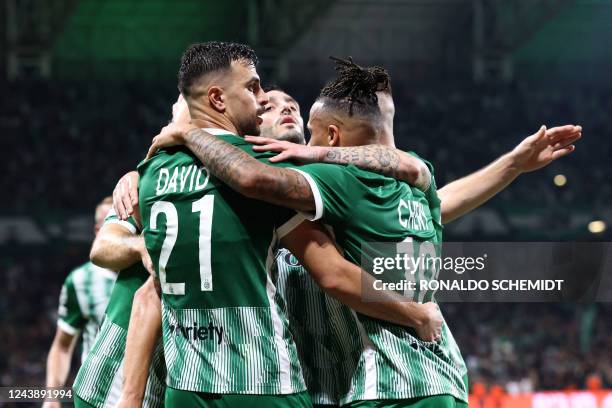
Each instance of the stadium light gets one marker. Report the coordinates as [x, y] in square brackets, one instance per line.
[560, 180]
[597, 226]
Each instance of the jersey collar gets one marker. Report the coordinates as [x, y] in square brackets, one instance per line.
[218, 131]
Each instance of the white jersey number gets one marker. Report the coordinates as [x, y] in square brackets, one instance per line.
[205, 207]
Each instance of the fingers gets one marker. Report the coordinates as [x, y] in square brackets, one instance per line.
[118, 204]
[145, 257]
[282, 156]
[152, 149]
[259, 140]
[541, 132]
[566, 141]
[559, 132]
[563, 152]
[429, 336]
[125, 197]
[273, 147]
[133, 188]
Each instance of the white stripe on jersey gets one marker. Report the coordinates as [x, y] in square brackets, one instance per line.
[316, 194]
[116, 387]
[125, 224]
[369, 356]
[73, 331]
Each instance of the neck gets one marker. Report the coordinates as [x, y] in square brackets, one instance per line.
[386, 132]
[387, 139]
[208, 118]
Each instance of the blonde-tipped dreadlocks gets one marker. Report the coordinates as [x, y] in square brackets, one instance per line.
[356, 84]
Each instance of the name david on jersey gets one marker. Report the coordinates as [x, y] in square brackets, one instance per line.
[181, 179]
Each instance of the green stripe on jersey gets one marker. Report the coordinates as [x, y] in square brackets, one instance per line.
[83, 299]
[212, 248]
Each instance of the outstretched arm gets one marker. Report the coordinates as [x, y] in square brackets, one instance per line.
[380, 159]
[536, 151]
[345, 281]
[238, 170]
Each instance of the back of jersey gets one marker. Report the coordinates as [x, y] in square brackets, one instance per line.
[371, 215]
[223, 329]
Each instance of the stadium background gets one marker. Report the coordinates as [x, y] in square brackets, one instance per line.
[86, 84]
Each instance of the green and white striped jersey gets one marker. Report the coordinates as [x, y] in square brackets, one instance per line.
[306, 307]
[224, 327]
[100, 378]
[380, 360]
[82, 301]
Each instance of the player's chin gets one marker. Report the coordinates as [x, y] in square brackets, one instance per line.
[255, 130]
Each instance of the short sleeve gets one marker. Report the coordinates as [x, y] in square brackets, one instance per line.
[70, 315]
[334, 190]
[130, 224]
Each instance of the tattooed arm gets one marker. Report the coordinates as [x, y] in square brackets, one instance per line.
[238, 170]
[381, 159]
[377, 158]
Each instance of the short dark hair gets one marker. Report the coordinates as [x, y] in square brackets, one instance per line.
[203, 58]
[354, 89]
[274, 87]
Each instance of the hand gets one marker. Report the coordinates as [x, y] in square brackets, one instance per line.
[544, 146]
[180, 111]
[125, 195]
[171, 135]
[145, 257]
[51, 404]
[297, 153]
[431, 327]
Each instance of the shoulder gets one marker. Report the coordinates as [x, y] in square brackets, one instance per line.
[164, 157]
[324, 169]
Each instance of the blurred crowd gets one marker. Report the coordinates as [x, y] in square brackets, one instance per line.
[525, 347]
[72, 142]
[28, 311]
[67, 144]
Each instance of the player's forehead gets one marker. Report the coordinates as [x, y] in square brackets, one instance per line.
[245, 70]
[276, 96]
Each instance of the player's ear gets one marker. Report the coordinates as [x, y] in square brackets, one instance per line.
[216, 97]
[333, 135]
